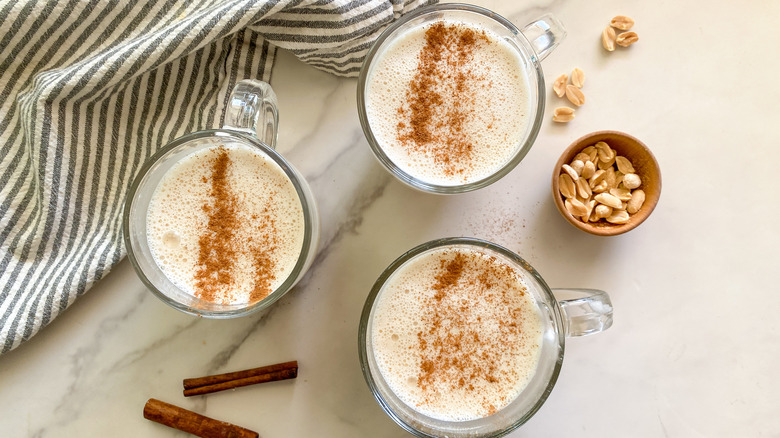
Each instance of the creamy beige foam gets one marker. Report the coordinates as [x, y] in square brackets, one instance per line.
[269, 225]
[494, 107]
[456, 347]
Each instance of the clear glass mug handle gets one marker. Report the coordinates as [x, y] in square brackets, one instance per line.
[544, 34]
[585, 311]
[253, 109]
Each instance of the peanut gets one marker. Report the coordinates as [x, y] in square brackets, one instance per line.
[618, 217]
[608, 200]
[622, 22]
[624, 165]
[577, 165]
[588, 170]
[574, 95]
[631, 181]
[625, 39]
[603, 211]
[608, 39]
[599, 184]
[636, 201]
[566, 185]
[563, 114]
[559, 86]
[577, 78]
[572, 173]
[583, 188]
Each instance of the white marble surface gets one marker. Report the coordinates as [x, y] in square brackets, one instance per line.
[696, 340]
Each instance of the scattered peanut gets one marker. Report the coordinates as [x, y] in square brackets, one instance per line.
[622, 22]
[625, 39]
[608, 38]
[574, 95]
[599, 184]
[562, 88]
[577, 78]
[559, 86]
[563, 114]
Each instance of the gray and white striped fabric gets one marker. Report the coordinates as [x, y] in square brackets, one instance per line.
[89, 89]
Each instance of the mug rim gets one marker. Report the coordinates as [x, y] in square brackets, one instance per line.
[138, 184]
[523, 148]
[368, 307]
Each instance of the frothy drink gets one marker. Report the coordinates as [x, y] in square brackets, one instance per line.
[226, 225]
[456, 334]
[448, 102]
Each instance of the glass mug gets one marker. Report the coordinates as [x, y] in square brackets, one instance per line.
[251, 121]
[564, 313]
[532, 44]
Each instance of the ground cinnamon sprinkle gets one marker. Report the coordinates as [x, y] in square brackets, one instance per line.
[462, 343]
[433, 121]
[448, 277]
[224, 240]
[264, 264]
[216, 249]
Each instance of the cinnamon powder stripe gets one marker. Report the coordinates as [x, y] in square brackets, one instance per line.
[224, 240]
[434, 120]
[216, 251]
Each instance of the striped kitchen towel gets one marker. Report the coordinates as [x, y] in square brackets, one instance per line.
[89, 89]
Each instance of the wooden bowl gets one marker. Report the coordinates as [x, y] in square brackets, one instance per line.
[644, 163]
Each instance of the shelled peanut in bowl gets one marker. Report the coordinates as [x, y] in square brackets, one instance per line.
[599, 184]
[606, 183]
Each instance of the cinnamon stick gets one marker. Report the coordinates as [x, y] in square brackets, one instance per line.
[237, 379]
[196, 424]
[233, 384]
